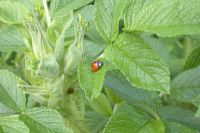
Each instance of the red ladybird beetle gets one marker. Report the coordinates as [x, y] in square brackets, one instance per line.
[96, 65]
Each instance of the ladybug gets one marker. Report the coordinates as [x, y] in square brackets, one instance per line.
[96, 65]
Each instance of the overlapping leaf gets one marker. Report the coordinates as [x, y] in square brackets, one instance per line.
[180, 115]
[172, 127]
[117, 82]
[186, 85]
[139, 63]
[193, 59]
[101, 105]
[128, 119]
[11, 124]
[164, 17]
[107, 16]
[59, 7]
[90, 82]
[10, 39]
[13, 12]
[196, 102]
[10, 95]
[44, 120]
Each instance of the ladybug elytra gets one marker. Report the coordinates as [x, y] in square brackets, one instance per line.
[96, 65]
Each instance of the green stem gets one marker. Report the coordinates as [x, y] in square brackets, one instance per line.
[46, 12]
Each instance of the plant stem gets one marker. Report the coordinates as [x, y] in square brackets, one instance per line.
[46, 12]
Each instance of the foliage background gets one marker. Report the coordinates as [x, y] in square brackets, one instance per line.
[149, 83]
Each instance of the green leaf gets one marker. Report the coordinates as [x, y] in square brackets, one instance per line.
[11, 124]
[13, 12]
[44, 120]
[59, 48]
[93, 35]
[95, 122]
[72, 59]
[59, 25]
[10, 39]
[163, 17]
[112, 96]
[172, 127]
[91, 49]
[5, 110]
[107, 16]
[196, 102]
[139, 63]
[10, 95]
[101, 105]
[128, 119]
[180, 115]
[48, 67]
[193, 59]
[117, 82]
[90, 82]
[186, 85]
[87, 12]
[57, 93]
[74, 54]
[58, 7]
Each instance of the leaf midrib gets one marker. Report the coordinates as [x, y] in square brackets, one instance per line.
[137, 64]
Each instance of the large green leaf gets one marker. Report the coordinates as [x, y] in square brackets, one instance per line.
[180, 115]
[90, 82]
[5, 110]
[107, 16]
[163, 17]
[59, 7]
[95, 122]
[10, 95]
[48, 68]
[57, 92]
[13, 12]
[87, 12]
[172, 127]
[44, 120]
[117, 82]
[193, 59]
[11, 124]
[169, 51]
[101, 105]
[196, 102]
[58, 27]
[139, 63]
[10, 39]
[186, 85]
[91, 49]
[127, 119]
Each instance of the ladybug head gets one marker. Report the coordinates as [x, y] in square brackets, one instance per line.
[99, 63]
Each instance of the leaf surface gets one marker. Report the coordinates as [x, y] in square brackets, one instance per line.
[10, 39]
[90, 82]
[44, 120]
[193, 59]
[107, 16]
[186, 85]
[139, 63]
[11, 124]
[163, 17]
[128, 119]
[180, 115]
[59, 7]
[10, 95]
[12, 12]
